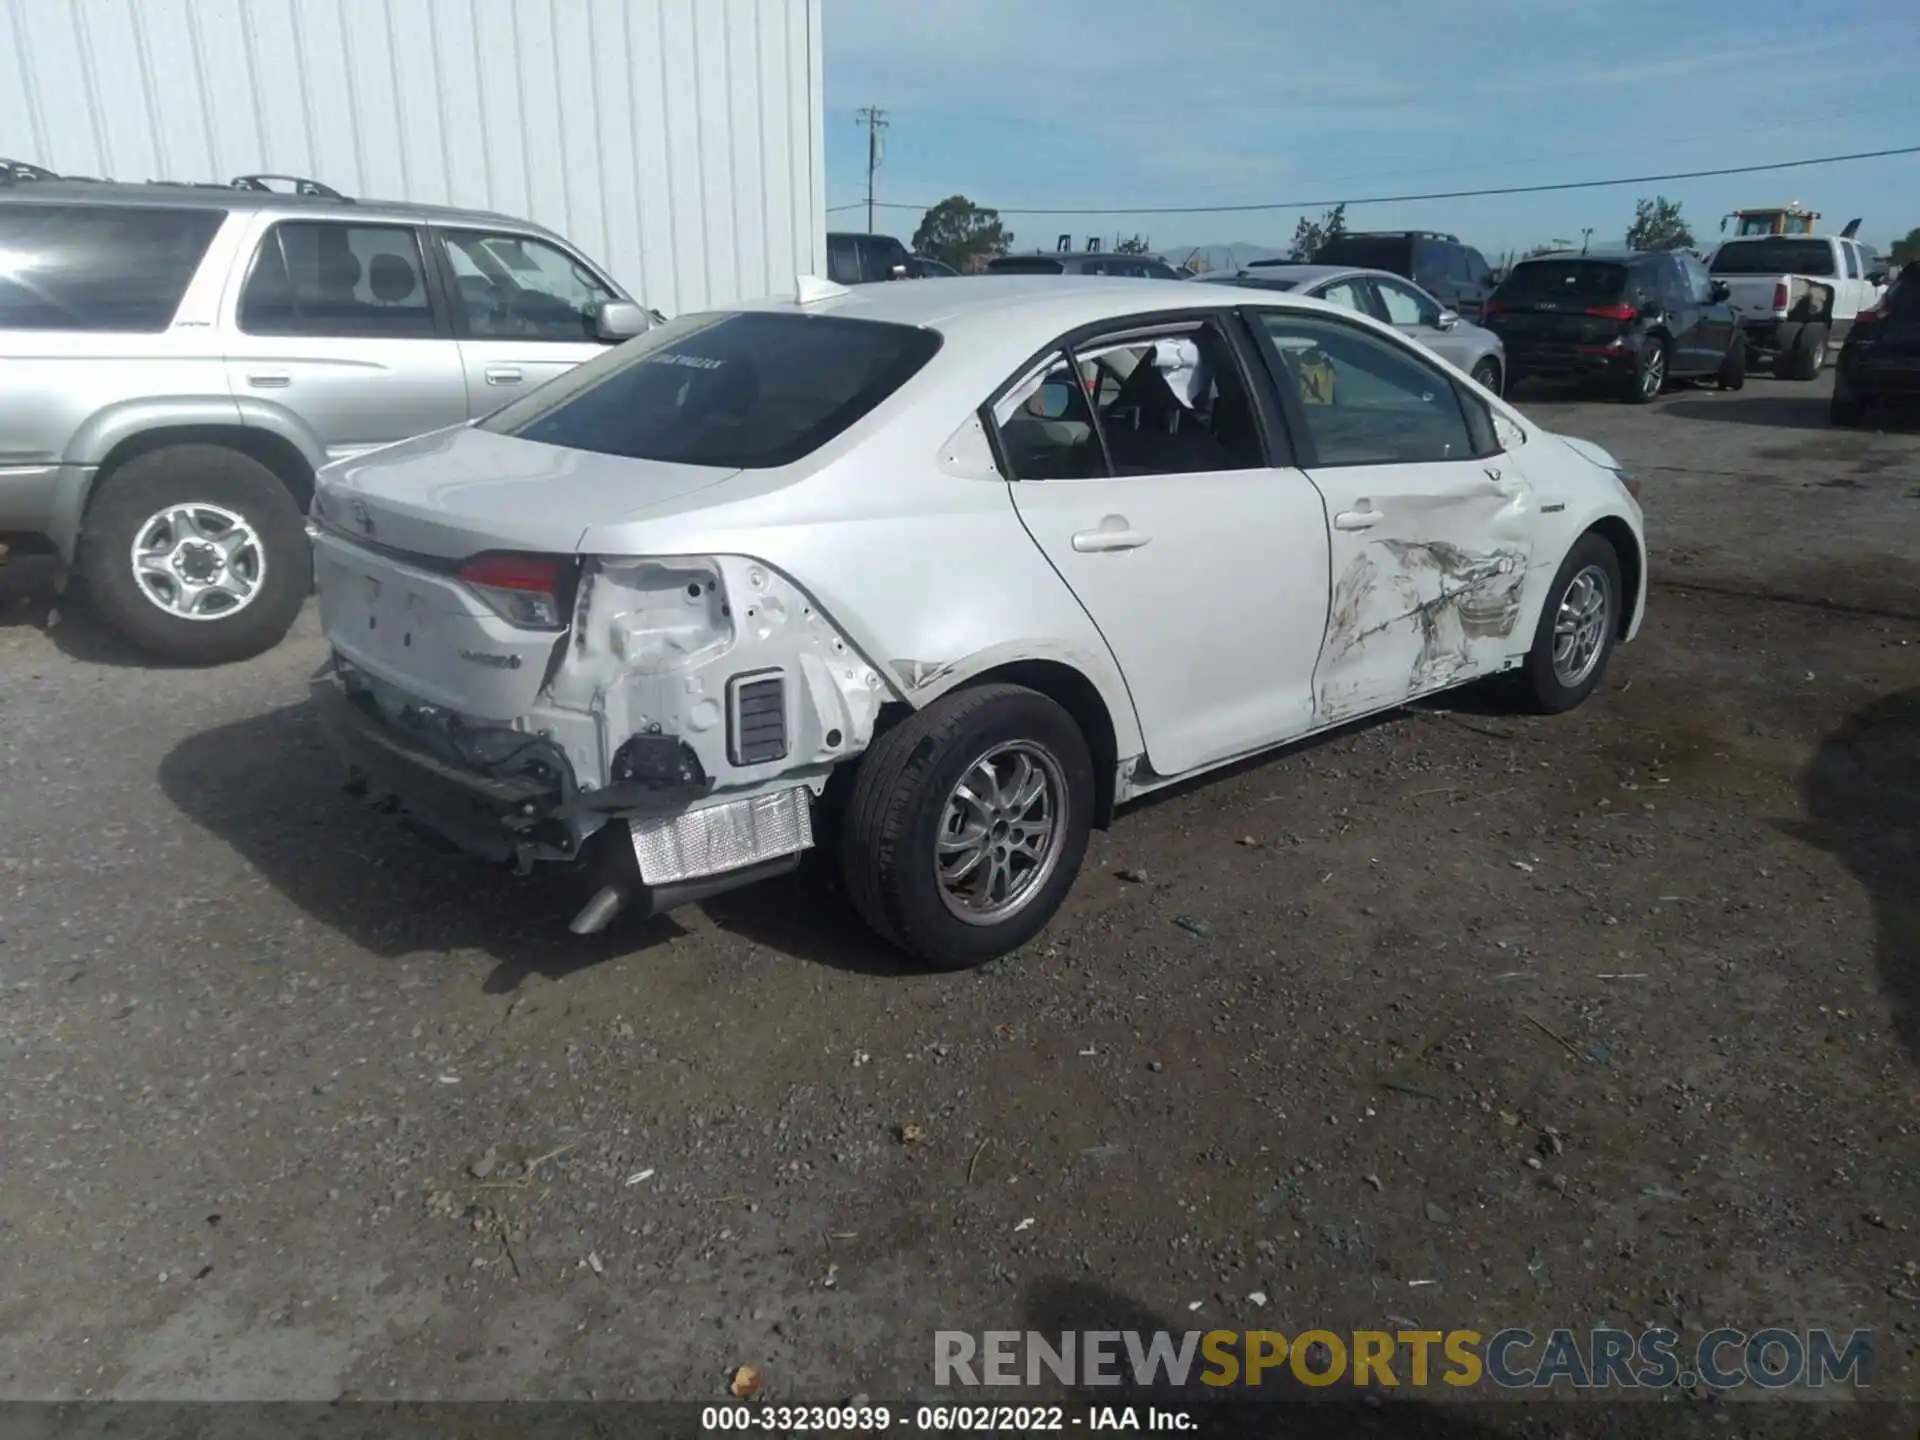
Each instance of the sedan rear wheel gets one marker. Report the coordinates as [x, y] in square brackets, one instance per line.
[967, 824]
[1486, 375]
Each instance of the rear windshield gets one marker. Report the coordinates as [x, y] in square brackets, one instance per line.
[1774, 256]
[1541, 280]
[98, 267]
[1254, 282]
[1392, 253]
[1025, 265]
[747, 389]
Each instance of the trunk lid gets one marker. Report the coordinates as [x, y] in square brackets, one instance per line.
[454, 493]
[1754, 294]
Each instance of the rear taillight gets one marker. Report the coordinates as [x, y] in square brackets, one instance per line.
[1622, 312]
[1873, 316]
[524, 590]
[1780, 296]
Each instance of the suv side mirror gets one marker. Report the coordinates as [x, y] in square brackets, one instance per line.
[1877, 277]
[617, 320]
[1721, 290]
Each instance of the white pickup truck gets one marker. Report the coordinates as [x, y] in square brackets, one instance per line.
[1797, 295]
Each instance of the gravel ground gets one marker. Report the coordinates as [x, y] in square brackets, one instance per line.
[1610, 1018]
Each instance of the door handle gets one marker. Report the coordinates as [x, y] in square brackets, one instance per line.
[1119, 537]
[269, 379]
[1365, 518]
[502, 375]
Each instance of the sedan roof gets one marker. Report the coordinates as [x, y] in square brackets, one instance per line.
[1061, 302]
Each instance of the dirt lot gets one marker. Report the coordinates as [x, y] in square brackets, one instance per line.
[1613, 1018]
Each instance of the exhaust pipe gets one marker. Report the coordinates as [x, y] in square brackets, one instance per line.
[607, 902]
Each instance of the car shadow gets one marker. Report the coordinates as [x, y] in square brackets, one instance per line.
[270, 787]
[30, 599]
[1772, 411]
[1862, 798]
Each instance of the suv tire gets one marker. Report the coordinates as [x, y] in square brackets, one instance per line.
[921, 787]
[1650, 372]
[202, 513]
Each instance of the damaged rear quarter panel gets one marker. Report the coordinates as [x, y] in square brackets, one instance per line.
[928, 577]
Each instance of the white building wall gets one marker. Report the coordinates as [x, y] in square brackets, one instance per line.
[678, 142]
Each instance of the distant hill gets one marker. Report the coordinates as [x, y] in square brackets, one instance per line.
[1222, 257]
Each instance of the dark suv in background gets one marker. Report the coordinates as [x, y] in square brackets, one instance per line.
[1085, 262]
[1456, 275]
[855, 259]
[1879, 366]
[1630, 321]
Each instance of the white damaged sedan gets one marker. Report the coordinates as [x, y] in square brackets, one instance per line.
[937, 576]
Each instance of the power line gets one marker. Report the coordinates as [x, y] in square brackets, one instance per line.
[1428, 195]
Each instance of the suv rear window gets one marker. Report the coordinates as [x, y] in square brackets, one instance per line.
[1024, 265]
[1586, 281]
[1774, 256]
[746, 389]
[1392, 253]
[98, 267]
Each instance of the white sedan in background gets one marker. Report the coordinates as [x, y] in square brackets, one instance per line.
[939, 575]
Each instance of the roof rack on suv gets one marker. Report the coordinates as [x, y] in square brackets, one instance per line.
[301, 186]
[13, 170]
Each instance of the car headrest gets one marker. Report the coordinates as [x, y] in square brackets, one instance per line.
[391, 279]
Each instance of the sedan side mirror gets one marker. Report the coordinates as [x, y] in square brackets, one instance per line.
[617, 320]
[1447, 319]
[1721, 290]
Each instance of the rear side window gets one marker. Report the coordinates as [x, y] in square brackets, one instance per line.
[1776, 255]
[1024, 265]
[748, 389]
[323, 278]
[98, 267]
[1544, 281]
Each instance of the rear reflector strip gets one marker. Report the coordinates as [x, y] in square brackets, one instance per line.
[757, 718]
[718, 838]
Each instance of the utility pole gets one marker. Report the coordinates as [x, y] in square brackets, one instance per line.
[875, 119]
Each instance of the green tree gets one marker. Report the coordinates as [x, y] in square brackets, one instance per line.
[1657, 226]
[962, 234]
[1310, 235]
[1906, 250]
[1132, 245]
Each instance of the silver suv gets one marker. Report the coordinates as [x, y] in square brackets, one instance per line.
[177, 361]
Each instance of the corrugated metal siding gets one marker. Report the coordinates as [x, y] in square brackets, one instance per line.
[677, 141]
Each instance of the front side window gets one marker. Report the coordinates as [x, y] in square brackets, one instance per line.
[98, 267]
[1024, 265]
[1364, 399]
[740, 389]
[517, 287]
[328, 278]
[1406, 305]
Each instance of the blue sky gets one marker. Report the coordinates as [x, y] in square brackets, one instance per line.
[1195, 102]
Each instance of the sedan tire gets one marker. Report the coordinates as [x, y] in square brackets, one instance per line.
[1486, 375]
[1578, 627]
[967, 824]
